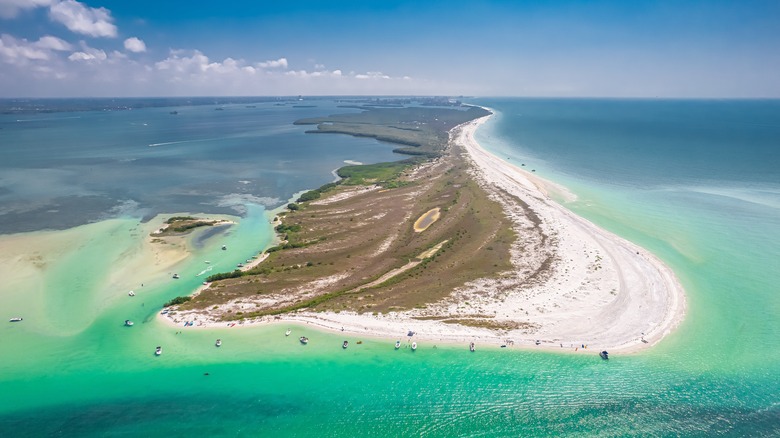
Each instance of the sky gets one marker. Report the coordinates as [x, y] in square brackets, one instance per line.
[567, 48]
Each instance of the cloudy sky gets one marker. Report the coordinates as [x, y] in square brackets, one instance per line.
[620, 48]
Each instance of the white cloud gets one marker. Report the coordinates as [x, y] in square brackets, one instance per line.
[278, 63]
[88, 54]
[77, 17]
[11, 8]
[20, 51]
[313, 74]
[135, 45]
[41, 69]
[184, 64]
[372, 75]
[53, 43]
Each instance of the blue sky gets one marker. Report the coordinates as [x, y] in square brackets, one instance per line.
[513, 48]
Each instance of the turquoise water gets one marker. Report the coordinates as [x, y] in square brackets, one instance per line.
[693, 181]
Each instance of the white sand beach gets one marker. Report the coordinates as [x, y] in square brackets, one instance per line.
[573, 284]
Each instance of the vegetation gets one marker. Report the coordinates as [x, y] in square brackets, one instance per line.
[225, 275]
[421, 131]
[190, 225]
[183, 224]
[384, 174]
[316, 193]
[179, 219]
[176, 301]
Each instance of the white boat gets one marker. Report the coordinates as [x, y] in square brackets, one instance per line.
[397, 345]
[345, 345]
[128, 323]
[131, 293]
[224, 247]
[604, 355]
[287, 333]
[176, 276]
[471, 347]
[414, 346]
[16, 319]
[218, 343]
[304, 340]
[158, 351]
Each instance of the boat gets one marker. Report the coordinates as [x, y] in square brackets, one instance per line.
[173, 112]
[224, 247]
[304, 340]
[240, 265]
[471, 347]
[414, 346]
[128, 323]
[287, 333]
[16, 319]
[158, 351]
[397, 345]
[218, 343]
[176, 276]
[604, 355]
[345, 344]
[131, 293]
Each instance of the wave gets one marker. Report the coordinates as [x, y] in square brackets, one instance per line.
[47, 119]
[204, 271]
[764, 196]
[153, 145]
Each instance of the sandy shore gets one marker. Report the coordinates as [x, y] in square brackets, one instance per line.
[599, 290]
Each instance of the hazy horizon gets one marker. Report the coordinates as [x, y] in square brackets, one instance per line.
[607, 49]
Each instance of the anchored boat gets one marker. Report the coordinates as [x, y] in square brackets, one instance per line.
[304, 340]
[218, 343]
[128, 323]
[158, 351]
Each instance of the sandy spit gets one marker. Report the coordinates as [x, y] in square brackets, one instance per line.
[601, 291]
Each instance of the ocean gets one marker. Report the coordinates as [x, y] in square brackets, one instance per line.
[695, 182]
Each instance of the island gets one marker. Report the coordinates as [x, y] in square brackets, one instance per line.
[452, 243]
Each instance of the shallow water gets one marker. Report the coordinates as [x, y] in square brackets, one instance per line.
[72, 369]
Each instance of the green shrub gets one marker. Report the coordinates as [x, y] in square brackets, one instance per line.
[177, 300]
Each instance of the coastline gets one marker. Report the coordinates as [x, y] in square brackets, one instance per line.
[607, 294]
